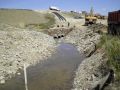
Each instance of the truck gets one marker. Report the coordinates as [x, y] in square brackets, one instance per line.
[114, 22]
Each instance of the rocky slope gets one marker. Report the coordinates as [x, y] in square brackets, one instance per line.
[90, 72]
[85, 39]
[22, 46]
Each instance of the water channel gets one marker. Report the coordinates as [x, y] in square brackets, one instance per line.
[56, 73]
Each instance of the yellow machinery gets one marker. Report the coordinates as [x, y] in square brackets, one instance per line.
[90, 18]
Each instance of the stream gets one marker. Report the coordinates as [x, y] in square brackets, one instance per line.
[55, 73]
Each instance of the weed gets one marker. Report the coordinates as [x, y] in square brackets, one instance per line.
[111, 44]
[47, 25]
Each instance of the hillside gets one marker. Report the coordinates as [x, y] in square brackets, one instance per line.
[24, 17]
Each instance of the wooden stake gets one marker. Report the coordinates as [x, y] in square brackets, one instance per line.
[25, 76]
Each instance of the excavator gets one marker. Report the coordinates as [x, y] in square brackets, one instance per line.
[90, 18]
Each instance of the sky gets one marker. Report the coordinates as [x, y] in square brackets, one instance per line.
[100, 6]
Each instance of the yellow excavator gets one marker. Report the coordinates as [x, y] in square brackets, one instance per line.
[90, 18]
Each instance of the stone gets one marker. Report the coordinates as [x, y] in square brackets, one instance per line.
[2, 81]
[2, 77]
[18, 73]
[19, 46]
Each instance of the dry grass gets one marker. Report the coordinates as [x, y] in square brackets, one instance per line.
[19, 17]
[47, 25]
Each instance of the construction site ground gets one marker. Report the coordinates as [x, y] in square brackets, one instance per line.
[24, 45]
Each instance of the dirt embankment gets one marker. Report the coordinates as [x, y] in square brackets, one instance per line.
[93, 68]
[91, 72]
[19, 46]
[85, 39]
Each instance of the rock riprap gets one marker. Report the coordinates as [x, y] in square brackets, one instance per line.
[85, 40]
[90, 71]
[22, 46]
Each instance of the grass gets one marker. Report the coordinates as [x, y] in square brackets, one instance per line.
[111, 44]
[47, 25]
[50, 23]
[23, 18]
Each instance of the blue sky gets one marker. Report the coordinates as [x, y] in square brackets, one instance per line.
[100, 6]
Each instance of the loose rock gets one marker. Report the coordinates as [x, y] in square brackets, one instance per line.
[22, 46]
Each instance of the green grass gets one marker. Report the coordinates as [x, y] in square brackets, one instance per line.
[111, 45]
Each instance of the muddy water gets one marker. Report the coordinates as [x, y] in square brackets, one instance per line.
[56, 73]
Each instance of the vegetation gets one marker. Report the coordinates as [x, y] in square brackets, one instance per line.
[23, 18]
[111, 44]
[50, 22]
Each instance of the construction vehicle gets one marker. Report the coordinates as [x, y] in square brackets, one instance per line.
[99, 16]
[90, 18]
[114, 22]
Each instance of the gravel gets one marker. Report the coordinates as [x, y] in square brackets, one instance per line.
[22, 46]
[84, 39]
[90, 71]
